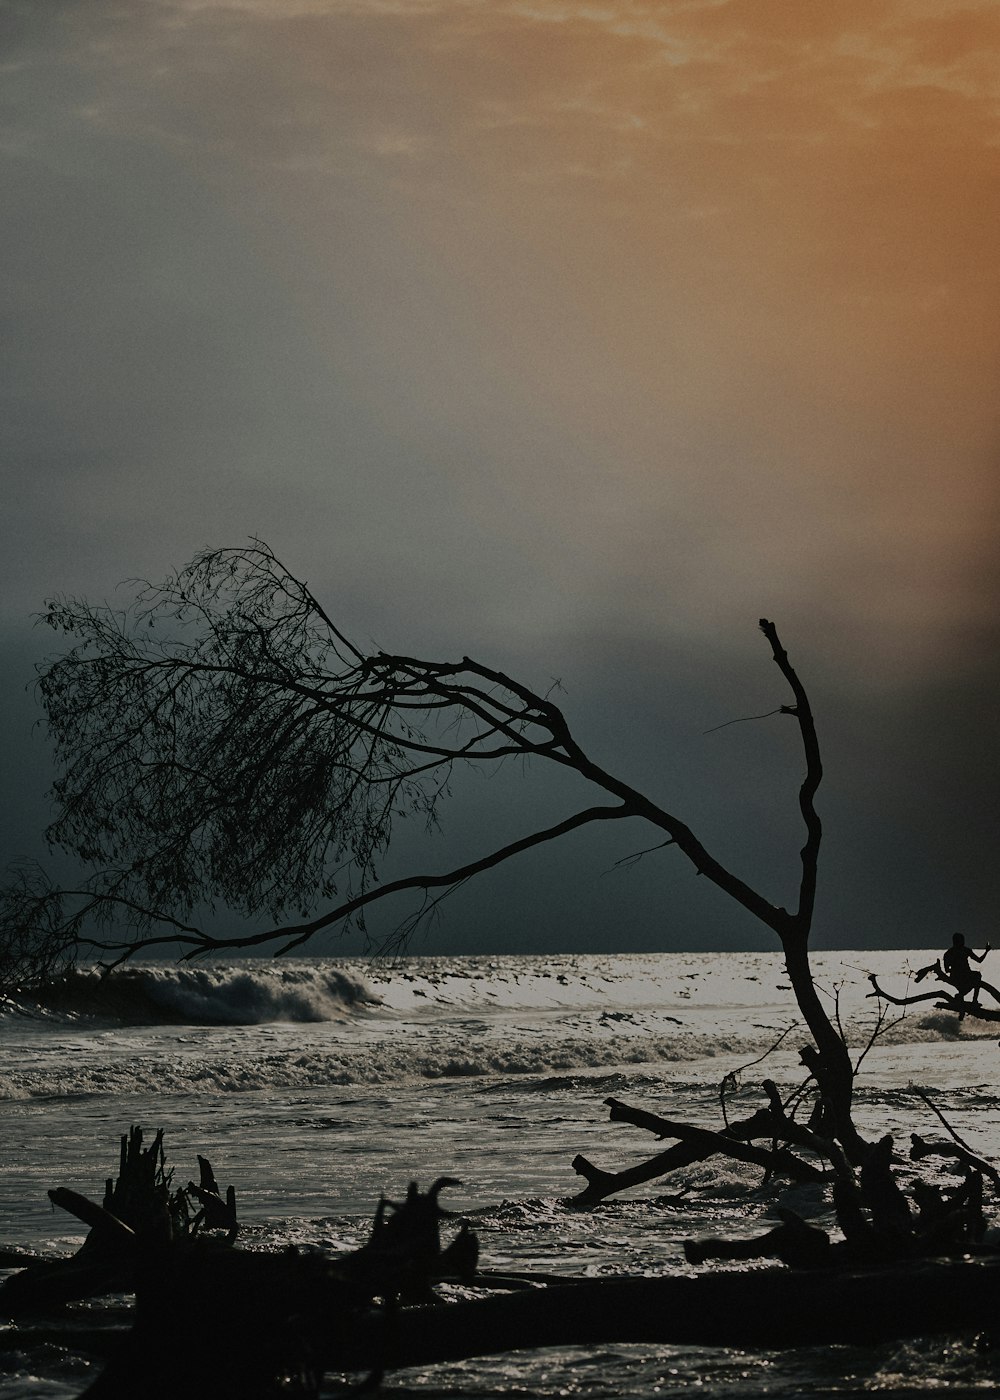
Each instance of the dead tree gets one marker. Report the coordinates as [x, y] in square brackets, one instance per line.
[693, 1144]
[879, 1222]
[943, 1000]
[265, 1324]
[221, 740]
[139, 1210]
[772, 1309]
[211, 1320]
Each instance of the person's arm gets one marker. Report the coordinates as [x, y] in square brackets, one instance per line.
[979, 956]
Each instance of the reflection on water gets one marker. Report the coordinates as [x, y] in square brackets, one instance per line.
[312, 1121]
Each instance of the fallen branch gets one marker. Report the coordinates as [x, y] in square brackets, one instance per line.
[794, 1242]
[921, 1149]
[107, 1227]
[943, 1001]
[772, 1308]
[138, 1208]
[693, 1145]
[769, 1309]
[734, 1141]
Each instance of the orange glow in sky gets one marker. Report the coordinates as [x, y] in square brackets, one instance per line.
[573, 334]
[738, 258]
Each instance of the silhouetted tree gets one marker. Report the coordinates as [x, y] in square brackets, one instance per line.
[220, 739]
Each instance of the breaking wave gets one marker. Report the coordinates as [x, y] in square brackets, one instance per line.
[234, 995]
[694, 992]
[256, 991]
[260, 1025]
[201, 1068]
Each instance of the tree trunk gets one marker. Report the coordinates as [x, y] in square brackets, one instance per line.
[830, 1060]
[770, 1308]
[249, 1332]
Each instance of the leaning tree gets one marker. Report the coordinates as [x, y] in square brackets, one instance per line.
[221, 740]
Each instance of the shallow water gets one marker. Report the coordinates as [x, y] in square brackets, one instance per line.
[316, 1086]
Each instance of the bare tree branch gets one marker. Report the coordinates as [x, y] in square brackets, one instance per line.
[742, 719]
[220, 740]
[222, 744]
[802, 711]
[943, 1001]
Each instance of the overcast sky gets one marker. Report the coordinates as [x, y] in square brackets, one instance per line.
[573, 336]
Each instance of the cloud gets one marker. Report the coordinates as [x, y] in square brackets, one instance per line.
[524, 328]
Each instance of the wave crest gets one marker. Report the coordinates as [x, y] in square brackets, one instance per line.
[247, 995]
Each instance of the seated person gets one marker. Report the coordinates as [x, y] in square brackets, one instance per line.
[958, 971]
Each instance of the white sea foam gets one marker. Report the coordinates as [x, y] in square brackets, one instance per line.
[315, 1086]
[240, 994]
[322, 1022]
[254, 991]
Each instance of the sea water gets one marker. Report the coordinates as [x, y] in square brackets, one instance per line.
[318, 1085]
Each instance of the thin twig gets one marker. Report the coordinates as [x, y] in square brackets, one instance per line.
[732, 1079]
[922, 1094]
[879, 1028]
[638, 855]
[741, 719]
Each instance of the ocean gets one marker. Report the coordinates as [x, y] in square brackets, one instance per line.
[315, 1086]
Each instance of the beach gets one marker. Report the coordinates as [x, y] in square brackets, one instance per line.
[315, 1086]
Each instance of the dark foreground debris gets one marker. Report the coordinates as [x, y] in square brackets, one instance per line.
[213, 1320]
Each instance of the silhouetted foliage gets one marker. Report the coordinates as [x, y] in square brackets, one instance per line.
[220, 740]
[41, 928]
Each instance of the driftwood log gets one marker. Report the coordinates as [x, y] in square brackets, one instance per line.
[694, 1144]
[139, 1207]
[212, 1321]
[768, 1308]
[943, 1000]
[253, 1309]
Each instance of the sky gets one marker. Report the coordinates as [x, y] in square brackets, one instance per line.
[572, 336]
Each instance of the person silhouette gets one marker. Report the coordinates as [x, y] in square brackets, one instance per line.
[958, 971]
